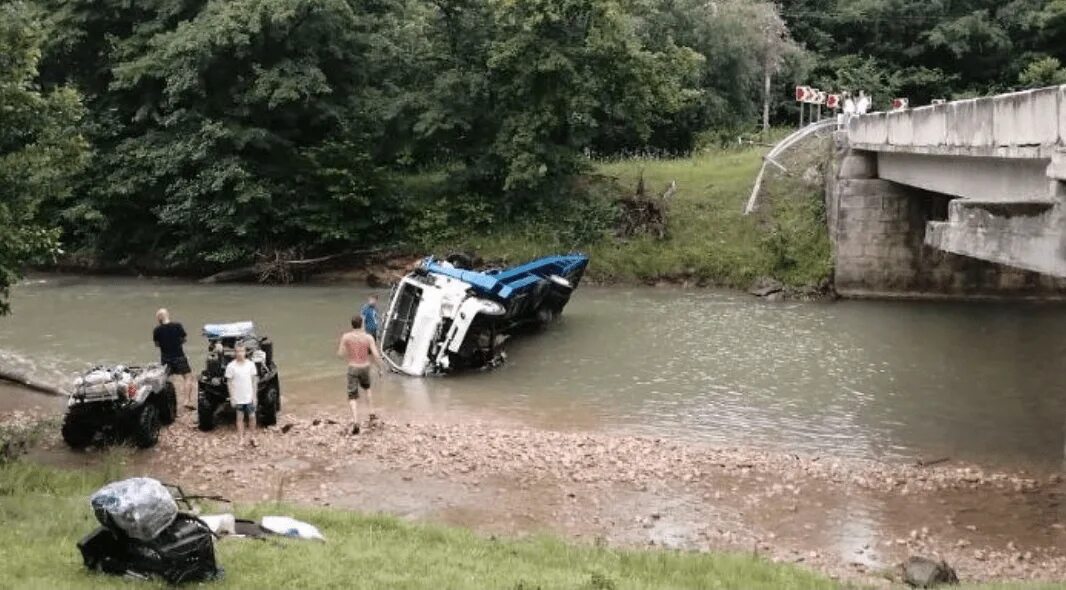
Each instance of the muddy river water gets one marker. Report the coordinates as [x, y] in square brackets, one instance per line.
[869, 380]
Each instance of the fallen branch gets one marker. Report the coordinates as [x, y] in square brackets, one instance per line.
[30, 383]
[229, 276]
[255, 271]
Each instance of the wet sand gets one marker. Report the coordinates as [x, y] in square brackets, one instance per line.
[850, 519]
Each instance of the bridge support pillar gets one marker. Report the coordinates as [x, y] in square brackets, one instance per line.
[878, 230]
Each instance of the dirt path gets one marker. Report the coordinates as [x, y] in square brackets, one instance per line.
[849, 519]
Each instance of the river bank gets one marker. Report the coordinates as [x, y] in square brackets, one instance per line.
[360, 551]
[851, 520]
[706, 240]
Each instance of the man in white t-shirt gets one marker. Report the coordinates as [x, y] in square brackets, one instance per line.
[242, 379]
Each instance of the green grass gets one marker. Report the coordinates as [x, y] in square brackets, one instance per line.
[709, 242]
[45, 511]
[709, 238]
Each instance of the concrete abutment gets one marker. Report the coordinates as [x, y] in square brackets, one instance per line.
[885, 239]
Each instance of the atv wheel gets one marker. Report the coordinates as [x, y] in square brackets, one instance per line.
[168, 405]
[205, 414]
[76, 433]
[268, 405]
[146, 431]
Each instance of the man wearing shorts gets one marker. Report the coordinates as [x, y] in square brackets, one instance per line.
[169, 337]
[242, 380]
[359, 350]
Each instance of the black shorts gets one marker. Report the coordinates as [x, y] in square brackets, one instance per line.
[178, 366]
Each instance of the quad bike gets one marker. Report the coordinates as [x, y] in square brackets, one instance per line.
[120, 402]
[149, 530]
[213, 400]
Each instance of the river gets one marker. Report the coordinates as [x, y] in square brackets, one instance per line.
[892, 381]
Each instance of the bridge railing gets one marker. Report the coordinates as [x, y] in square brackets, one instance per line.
[1029, 124]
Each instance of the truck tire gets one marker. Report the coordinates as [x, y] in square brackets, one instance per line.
[268, 404]
[205, 414]
[168, 404]
[77, 433]
[146, 430]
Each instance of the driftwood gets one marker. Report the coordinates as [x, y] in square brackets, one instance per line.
[924, 463]
[642, 214]
[246, 273]
[281, 269]
[29, 382]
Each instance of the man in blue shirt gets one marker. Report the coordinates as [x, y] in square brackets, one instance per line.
[370, 316]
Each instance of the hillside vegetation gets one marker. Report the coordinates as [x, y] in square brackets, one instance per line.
[172, 135]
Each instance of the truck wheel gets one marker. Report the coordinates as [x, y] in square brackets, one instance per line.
[268, 405]
[168, 404]
[205, 414]
[146, 432]
[76, 433]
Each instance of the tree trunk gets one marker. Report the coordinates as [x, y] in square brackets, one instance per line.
[766, 103]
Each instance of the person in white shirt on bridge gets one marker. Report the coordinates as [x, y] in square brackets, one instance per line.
[863, 103]
[849, 109]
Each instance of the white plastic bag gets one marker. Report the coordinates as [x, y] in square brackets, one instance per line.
[290, 527]
[220, 524]
[141, 507]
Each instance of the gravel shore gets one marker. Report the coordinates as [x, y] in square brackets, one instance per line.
[849, 519]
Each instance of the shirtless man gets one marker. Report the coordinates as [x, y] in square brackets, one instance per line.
[358, 348]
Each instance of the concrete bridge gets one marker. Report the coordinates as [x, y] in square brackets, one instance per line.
[963, 198]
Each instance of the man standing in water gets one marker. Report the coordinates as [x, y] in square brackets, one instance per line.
[369, 313]
[359, 349]
[169, 337]
[241, 378]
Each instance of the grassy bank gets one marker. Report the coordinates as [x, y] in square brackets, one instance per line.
[45, 512]
[709, 241]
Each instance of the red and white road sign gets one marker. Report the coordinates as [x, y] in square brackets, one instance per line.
[898, 104]
[833, 101]
[804, 93]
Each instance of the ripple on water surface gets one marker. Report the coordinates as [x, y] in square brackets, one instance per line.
[862, 379]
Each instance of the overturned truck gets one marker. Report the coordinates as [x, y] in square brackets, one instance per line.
[443, 317]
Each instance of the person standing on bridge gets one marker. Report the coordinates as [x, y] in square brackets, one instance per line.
[863, 104]
[369, 313]
[360, 351]
[849, 107]
[170, 337]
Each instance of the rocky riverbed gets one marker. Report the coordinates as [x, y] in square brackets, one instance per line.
[849, 519]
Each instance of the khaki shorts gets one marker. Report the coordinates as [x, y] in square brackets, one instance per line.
[357, 377]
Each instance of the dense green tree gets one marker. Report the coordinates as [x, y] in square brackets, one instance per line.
[563, 69]
[739, 43]
[1046, 71]
[40, 148]
[926, 49]
[519, 89]
[227, 128]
